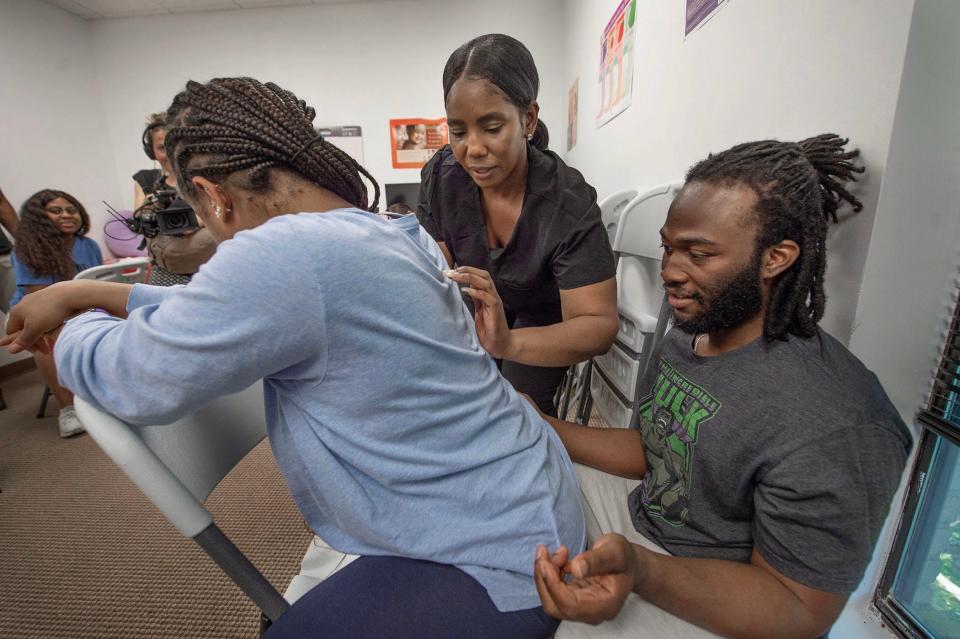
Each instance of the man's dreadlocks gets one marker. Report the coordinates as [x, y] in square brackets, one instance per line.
[799, 186]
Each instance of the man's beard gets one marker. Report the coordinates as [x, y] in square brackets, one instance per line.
[727, 305]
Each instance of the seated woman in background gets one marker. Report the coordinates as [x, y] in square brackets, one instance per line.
[441, 476]
[50, 247]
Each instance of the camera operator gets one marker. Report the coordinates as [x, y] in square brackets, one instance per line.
[176, 244]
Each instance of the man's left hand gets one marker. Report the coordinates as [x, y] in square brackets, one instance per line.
[602, 578]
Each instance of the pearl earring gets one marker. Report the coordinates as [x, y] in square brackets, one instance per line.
[529, 136]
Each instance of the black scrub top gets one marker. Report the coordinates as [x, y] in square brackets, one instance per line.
[559, 241]
[147, 179]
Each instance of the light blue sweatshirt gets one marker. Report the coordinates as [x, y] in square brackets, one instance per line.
[391, 424]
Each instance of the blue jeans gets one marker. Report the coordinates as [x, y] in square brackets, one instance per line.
[405, 599]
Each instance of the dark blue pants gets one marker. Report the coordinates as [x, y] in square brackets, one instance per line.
[405, 599]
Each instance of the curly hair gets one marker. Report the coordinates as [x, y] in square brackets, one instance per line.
[39, 244]
[799, 186]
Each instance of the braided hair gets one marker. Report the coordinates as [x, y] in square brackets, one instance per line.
[799, 187]
[240, 126]
[39, 243]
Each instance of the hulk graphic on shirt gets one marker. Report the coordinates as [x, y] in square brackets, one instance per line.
[670, 420]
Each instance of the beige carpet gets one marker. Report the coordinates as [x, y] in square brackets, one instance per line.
[84, 554]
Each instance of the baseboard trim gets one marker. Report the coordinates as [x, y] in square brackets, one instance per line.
[17, 367]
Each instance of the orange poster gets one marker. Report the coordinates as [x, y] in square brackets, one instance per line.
[413, 141]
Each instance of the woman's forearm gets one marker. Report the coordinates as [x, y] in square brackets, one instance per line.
[571, 341]
[39, 315]
[79, 295]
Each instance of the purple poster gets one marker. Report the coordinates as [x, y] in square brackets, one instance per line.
[698, 11]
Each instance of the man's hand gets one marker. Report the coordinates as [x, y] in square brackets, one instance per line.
[602, 578]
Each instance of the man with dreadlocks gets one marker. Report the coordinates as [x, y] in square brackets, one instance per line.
[767, 453]
[386, 416]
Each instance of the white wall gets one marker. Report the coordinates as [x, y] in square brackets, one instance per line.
[757, 69]
[357, 63]
[52, 132]
[912, 263]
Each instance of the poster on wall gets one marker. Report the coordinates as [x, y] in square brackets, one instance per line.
[347, 138]
[413, 141]
[698, 12]
[617, 51]
[573, 99]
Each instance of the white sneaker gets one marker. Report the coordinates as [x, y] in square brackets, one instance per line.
[70, 424]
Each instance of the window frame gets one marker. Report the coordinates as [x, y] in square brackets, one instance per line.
[934, 429]
[893, 614]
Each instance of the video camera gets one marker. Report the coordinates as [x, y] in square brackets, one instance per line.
[164, 213]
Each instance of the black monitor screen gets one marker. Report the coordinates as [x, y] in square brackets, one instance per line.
[403, 194]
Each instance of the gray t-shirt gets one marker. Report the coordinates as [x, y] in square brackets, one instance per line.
[791, 447]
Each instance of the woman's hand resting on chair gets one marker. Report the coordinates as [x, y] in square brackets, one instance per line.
[35, 321]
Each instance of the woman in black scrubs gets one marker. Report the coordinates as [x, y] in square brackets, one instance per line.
[522, 227]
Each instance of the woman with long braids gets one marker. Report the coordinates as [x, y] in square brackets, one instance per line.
[396, 434]
[50, 247]
[522, 227]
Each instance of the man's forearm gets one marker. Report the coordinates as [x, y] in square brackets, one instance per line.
[618, 451]
[728, 598]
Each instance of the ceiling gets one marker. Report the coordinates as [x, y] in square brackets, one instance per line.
[98, 9]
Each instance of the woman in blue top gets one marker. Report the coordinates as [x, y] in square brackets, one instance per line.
[396, 434]
[50, 247]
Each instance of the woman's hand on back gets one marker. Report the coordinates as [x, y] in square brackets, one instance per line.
[492, 329]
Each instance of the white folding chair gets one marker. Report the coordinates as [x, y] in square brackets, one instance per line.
[575, 389]
[612, 207]
[644, 314]
[178, 465]
[128, 271]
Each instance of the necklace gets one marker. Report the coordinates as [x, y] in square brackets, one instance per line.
[696, 341]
